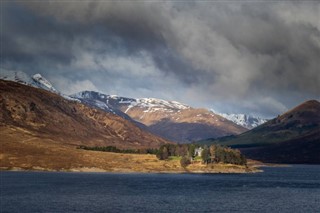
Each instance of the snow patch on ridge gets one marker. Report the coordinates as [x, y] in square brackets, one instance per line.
[247, 121]
[43, 83]
[159, 104]
[36, 81]
[147, 104]
[16, 76]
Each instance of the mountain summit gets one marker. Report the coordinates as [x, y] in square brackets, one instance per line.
[247, 121]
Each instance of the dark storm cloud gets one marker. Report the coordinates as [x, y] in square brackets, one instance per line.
[27, 37]
[259, 57]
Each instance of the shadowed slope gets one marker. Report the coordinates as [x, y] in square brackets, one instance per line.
[293, 137]
[47, 115]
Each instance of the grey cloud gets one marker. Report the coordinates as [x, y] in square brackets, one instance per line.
[258, 57]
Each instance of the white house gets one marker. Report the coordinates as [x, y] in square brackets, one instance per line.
[198, 151]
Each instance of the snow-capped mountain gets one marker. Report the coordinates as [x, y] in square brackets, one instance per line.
[247, 121]
[110, 102]
[169, 119]
[105, 102]
[36, 80]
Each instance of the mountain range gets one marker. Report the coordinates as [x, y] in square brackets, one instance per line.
[169, 119]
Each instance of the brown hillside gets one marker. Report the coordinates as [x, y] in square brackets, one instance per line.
[293, 137]
[304, 114]
[47, 115]
[184, 125]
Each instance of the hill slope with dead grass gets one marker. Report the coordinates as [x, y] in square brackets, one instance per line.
[48, 115]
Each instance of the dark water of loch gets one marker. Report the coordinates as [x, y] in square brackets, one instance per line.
[290, 189]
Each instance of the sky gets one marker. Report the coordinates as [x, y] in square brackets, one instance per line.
[256, 57]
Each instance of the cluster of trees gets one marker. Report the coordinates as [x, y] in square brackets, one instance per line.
[217, 153]
[167, 150]
[116, 150]
[212, 154]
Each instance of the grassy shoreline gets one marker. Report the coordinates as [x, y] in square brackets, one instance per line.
[136, 164]
[30, 153]
[120, 171]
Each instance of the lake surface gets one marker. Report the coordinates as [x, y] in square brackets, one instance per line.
[289, 189]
